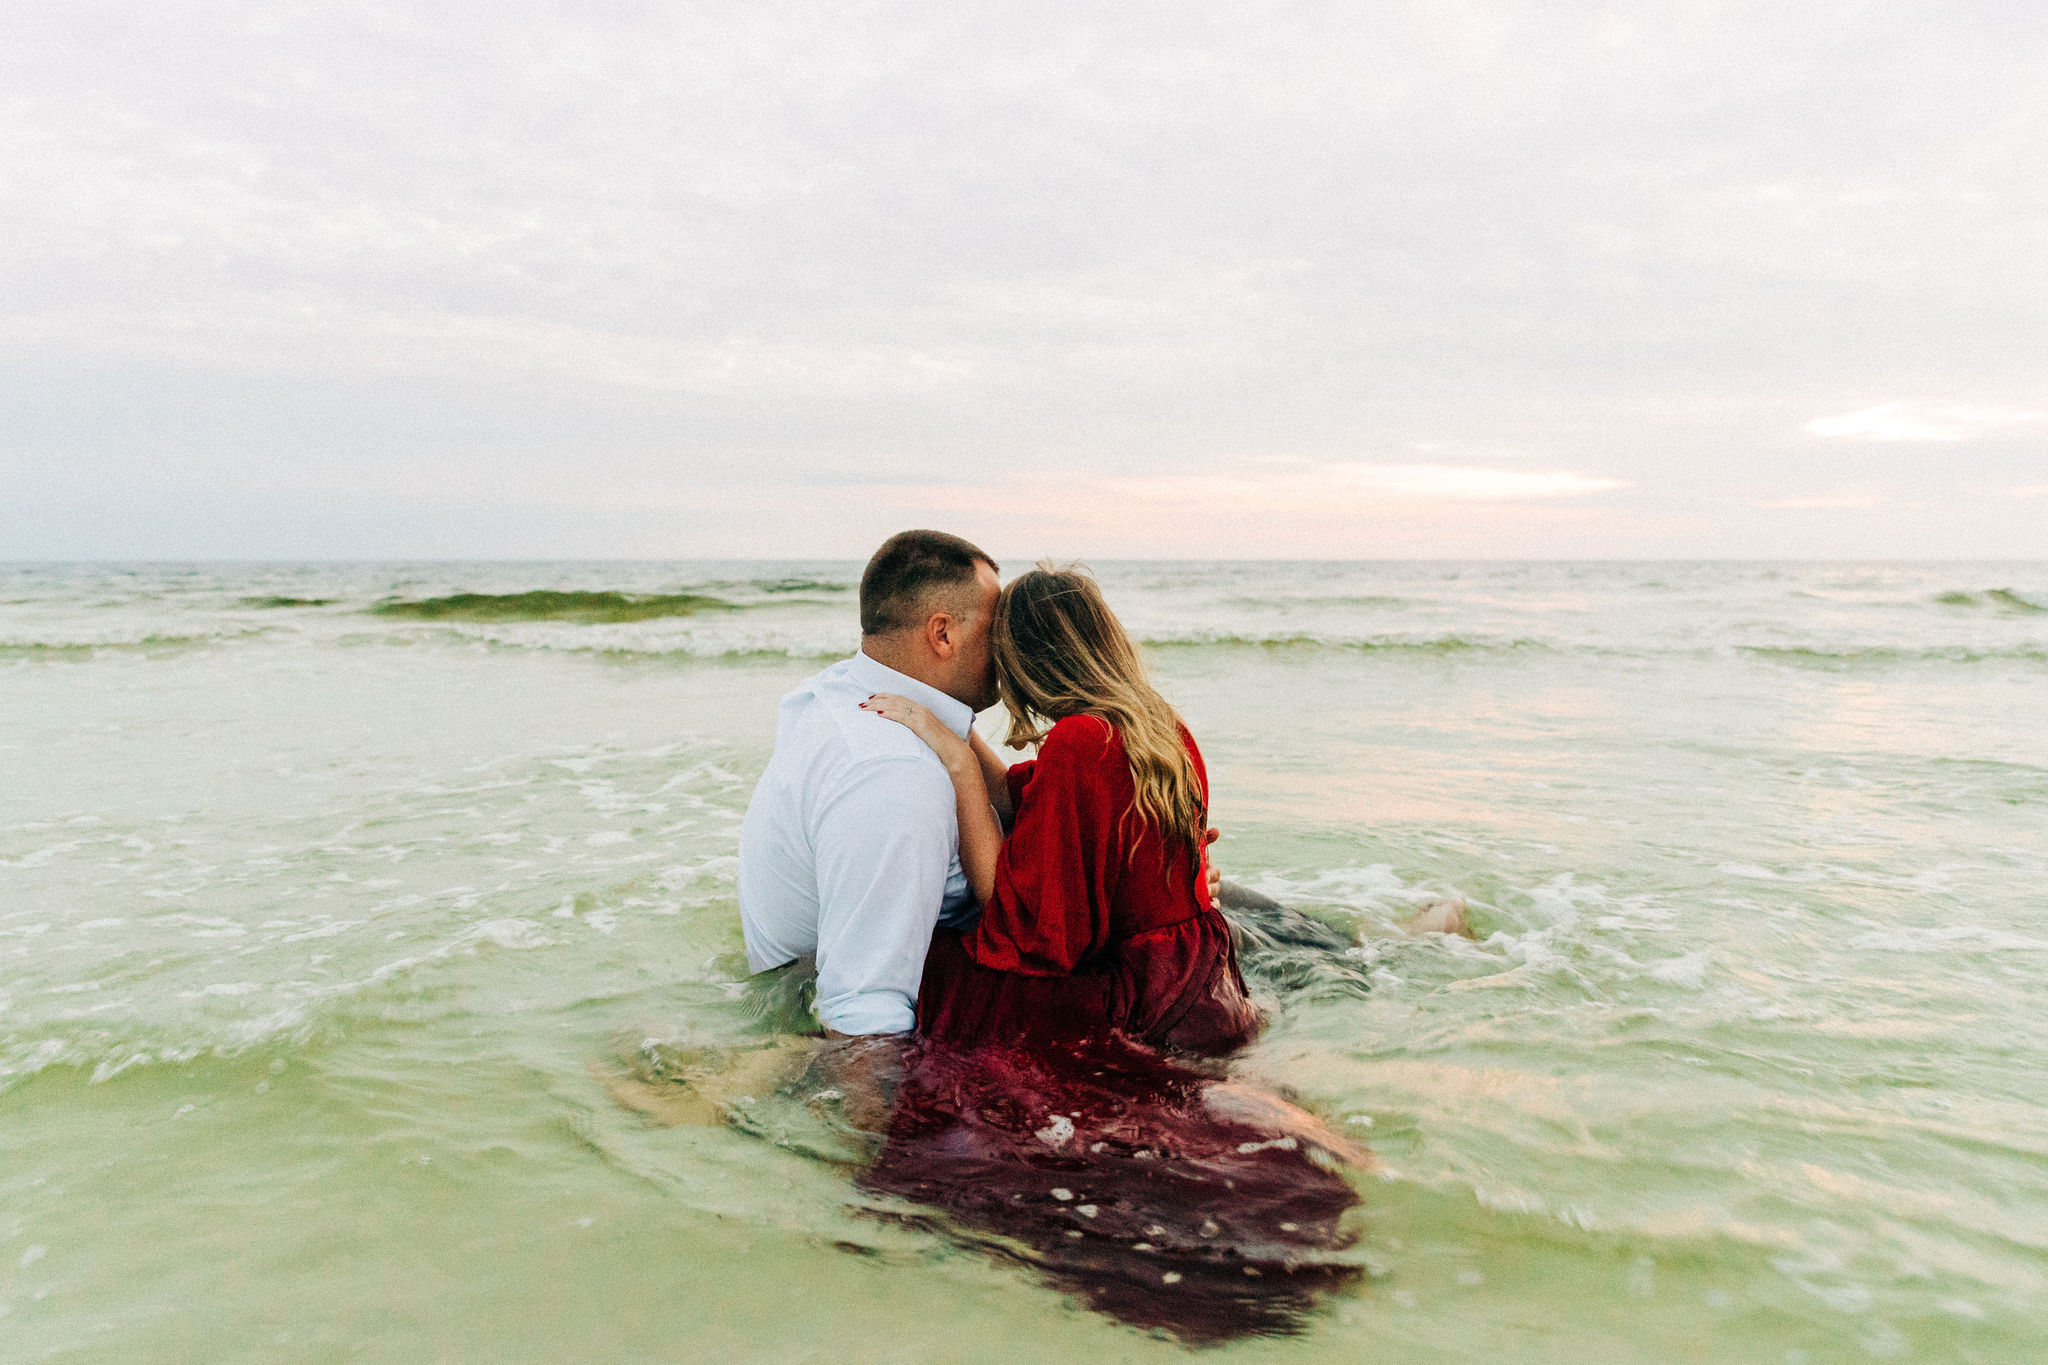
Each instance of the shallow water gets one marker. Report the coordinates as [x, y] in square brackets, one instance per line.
[314, 920]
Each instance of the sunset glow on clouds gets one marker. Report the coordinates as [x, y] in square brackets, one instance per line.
[1307, 489]
[1847, 502]
[1473, 485]
[1924, 422]
[287, 280]
[1263, 509]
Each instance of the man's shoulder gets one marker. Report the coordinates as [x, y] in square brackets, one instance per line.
[869, 768]
[888, 758]
[865, 737]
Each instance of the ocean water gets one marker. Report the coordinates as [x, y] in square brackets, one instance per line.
[330, 895]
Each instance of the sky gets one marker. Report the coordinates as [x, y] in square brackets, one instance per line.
[1486, 279]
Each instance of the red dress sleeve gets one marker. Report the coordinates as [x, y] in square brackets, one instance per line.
[1055, 877]
[1019, 779]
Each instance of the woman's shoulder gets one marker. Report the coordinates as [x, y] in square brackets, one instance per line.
[1085, 735]
[1081, 753]
[1078, 744]
[1080, 736]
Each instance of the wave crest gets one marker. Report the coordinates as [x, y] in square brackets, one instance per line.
[1881, 654]
[1302, 640]
[2005, 599]
[590, 608]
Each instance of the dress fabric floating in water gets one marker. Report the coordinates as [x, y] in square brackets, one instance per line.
[1160, 1195]
[1040, 1112]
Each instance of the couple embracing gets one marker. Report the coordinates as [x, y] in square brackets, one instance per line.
[1045, 938]
[941, 891]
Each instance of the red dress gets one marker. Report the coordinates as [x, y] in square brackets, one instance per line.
[1096, 924]
[1039, 1107]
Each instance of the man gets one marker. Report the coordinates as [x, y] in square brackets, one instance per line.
[850, 850]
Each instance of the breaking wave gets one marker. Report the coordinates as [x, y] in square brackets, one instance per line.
[1336, 600]
[2004, 599]
[587, 607]
[146, 645]
[1878, 655]
[1303, 640]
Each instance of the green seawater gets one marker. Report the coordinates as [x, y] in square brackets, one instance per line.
[537, 605]
[318, 927]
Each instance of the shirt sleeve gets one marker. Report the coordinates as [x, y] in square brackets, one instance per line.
[883, 849]
[1056, 874]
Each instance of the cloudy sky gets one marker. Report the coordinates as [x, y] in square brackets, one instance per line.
[1183, 279]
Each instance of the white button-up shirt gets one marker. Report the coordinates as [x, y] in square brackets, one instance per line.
[851, 846]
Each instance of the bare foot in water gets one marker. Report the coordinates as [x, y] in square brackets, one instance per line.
[1247, 1104]
[678, 1084]
[1444, 915]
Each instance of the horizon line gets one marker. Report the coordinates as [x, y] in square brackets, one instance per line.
[1082, 558]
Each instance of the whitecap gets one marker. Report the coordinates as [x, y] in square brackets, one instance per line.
[507, 933]
[107, 1070]
[1689, 971]
[1924, 939]
[328, 930]
[45, 1053]
[1765, 874]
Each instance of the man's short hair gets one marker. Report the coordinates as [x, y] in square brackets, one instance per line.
[898, 582]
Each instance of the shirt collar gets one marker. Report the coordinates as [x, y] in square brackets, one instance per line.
[954, 714]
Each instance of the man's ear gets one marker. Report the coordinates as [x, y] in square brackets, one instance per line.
[939, 630]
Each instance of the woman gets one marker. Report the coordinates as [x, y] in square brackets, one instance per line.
[1038, 1104]
[1096, 911]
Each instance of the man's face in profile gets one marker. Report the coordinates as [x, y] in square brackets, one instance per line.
[977, 661]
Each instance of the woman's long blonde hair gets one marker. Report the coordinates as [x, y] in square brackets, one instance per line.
[1060, 651]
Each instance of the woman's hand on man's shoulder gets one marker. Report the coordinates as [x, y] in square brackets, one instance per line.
[917, 718]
